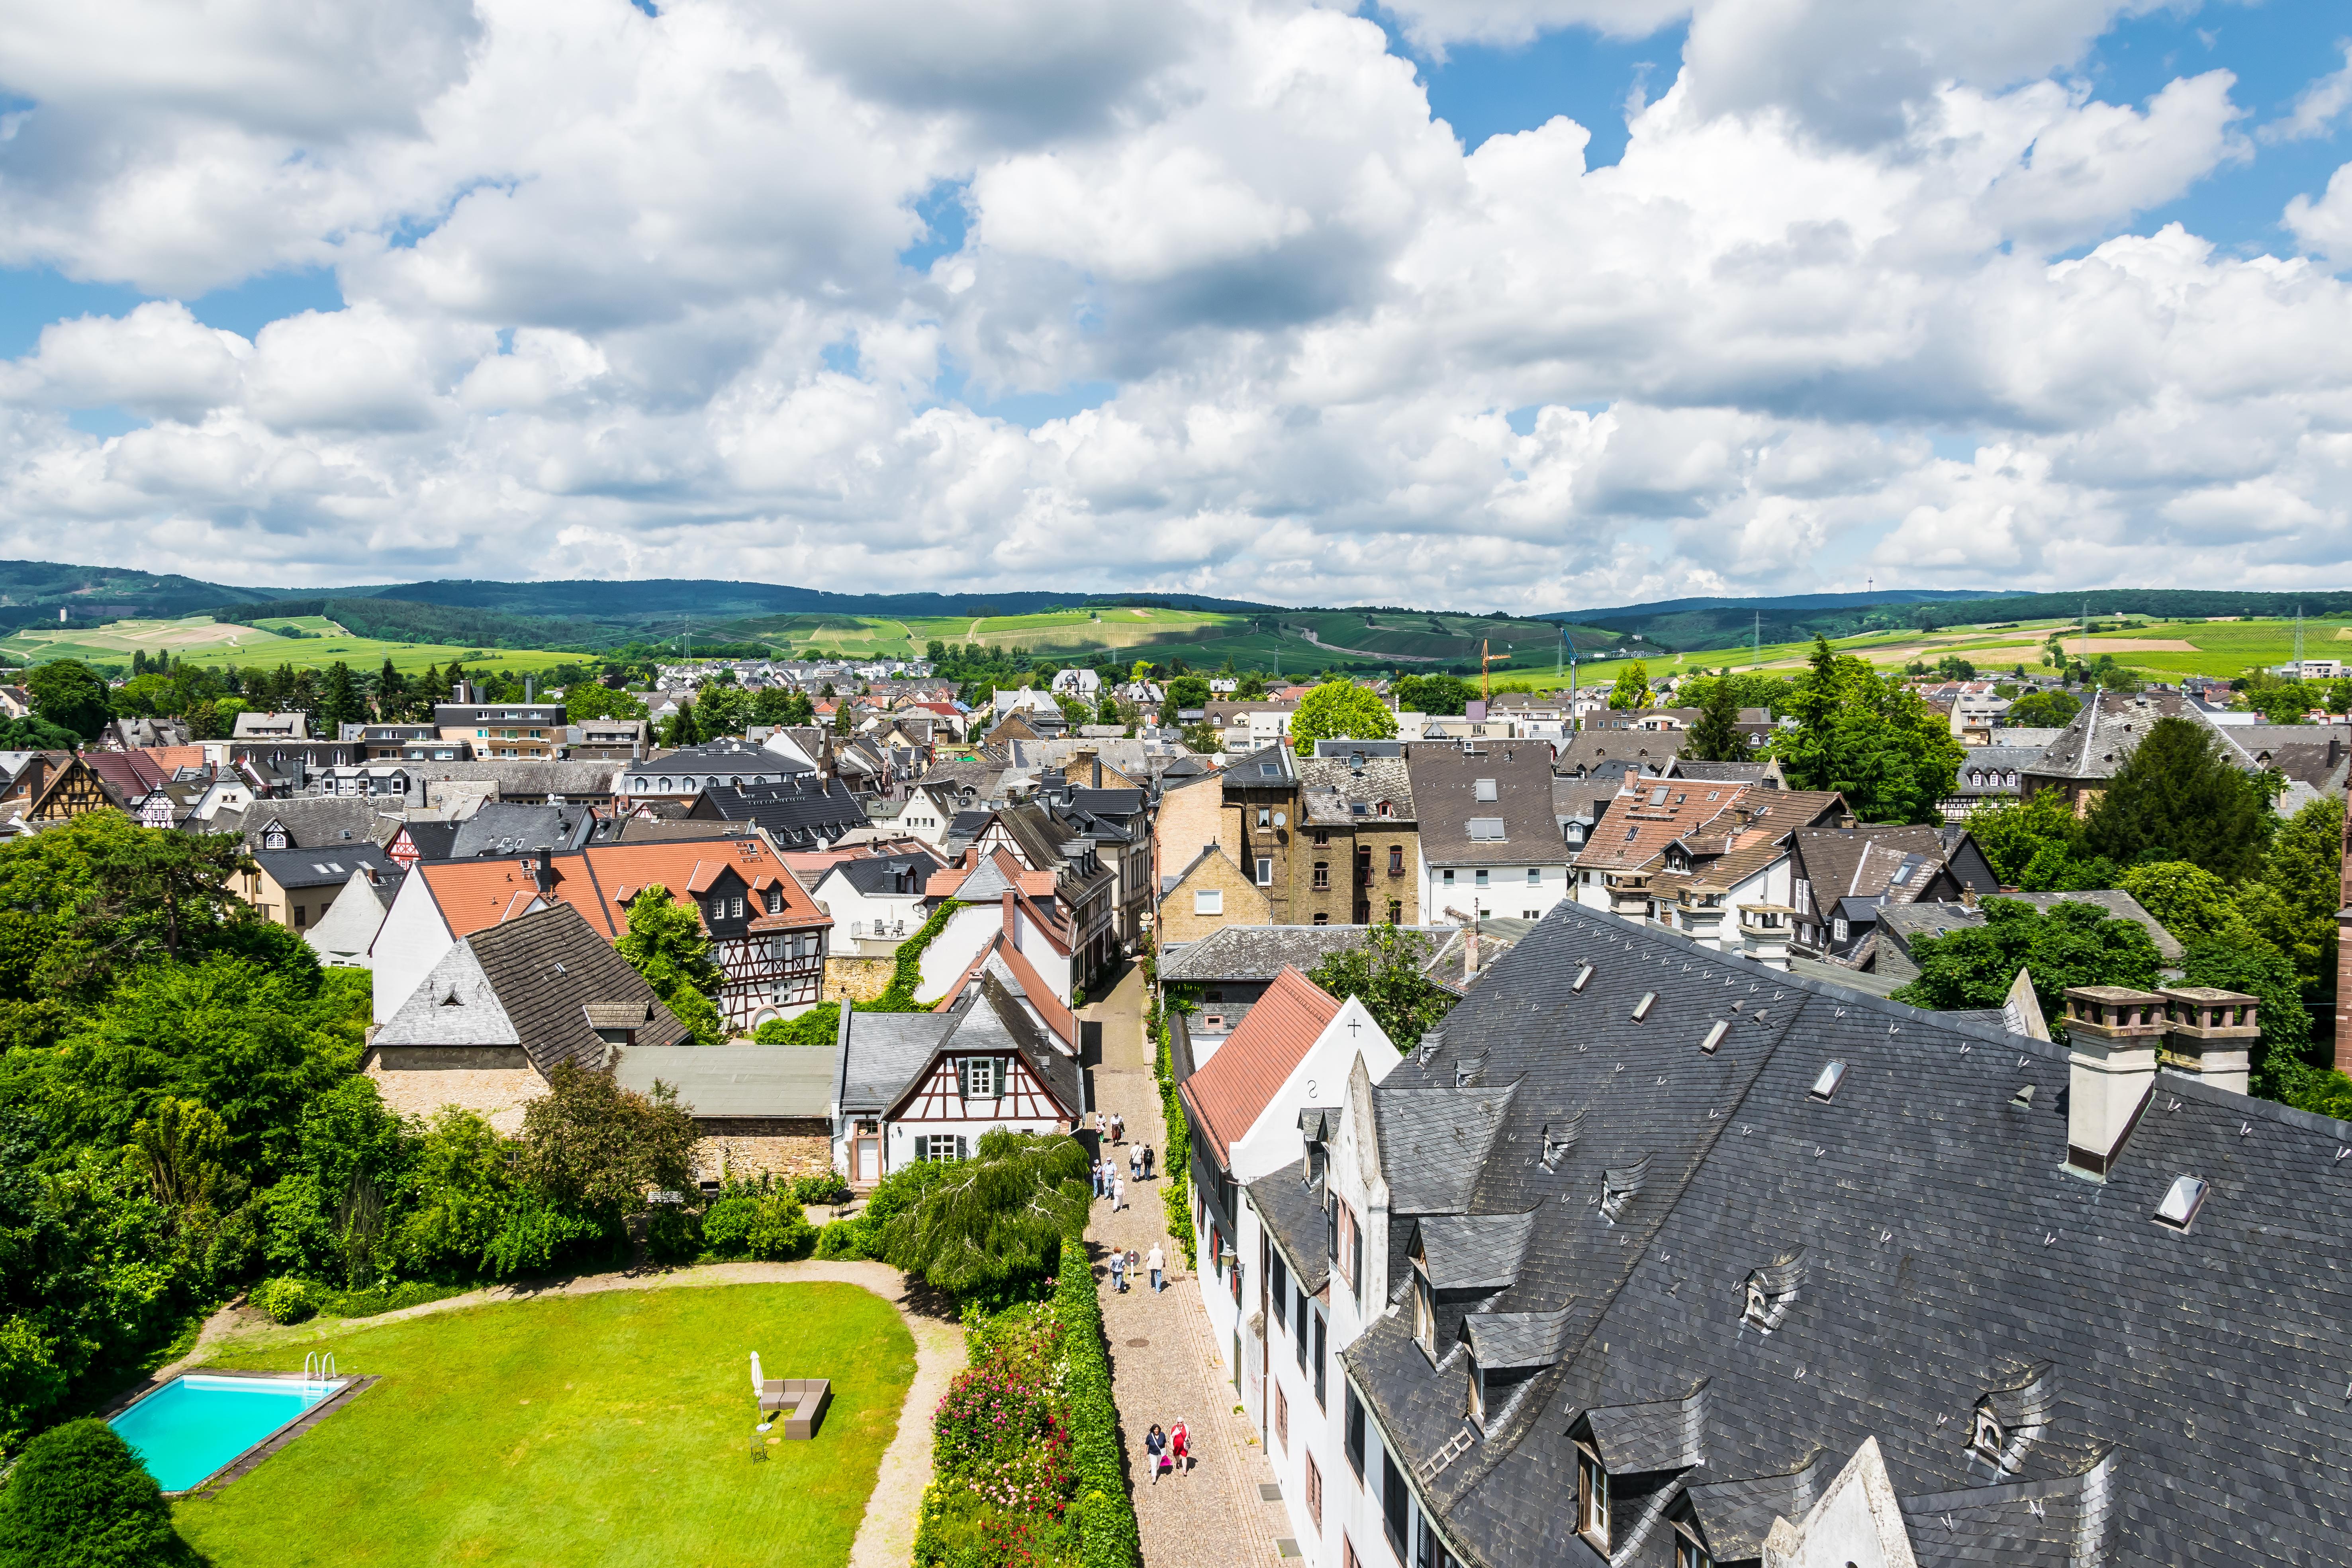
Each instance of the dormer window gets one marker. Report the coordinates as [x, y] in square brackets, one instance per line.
[1591, 1499]
[1424, 1309]
[1477, 1405]
[1689, 1553]
[1986, 1436]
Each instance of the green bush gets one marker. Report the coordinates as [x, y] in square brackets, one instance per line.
[289, 1299]
[388, 1298]
[1108, 1535]
[766, 1225]
[860, 1235]
[820, 1025]
[79, 1499]
[825, 1187]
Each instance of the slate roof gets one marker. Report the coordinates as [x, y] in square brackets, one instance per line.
[889, 874]
[1496, 935]
[1261, 953]
[1912, 921]
[882, 1052]
[319, 822]
[1985, 769]
[293, 868]
[1848, 862]
[1226, 1096]
[2100, 737]
[433, 839]
[715, 1082]
[797, 813]
[1337, 795]
[519, 827]
[1444, 792]
[1651, 751]
[525, 778]
[1293, 1212]
[528, 982]
[2191, 1384]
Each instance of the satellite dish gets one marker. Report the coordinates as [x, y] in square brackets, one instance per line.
[1280, 820]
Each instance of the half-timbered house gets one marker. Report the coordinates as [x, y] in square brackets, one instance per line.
[925, 1086]
[768, 936]
[74, 789]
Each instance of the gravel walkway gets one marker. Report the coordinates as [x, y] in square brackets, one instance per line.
[885, 1538]
[1163, 1366]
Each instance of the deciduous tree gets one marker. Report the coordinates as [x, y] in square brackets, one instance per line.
[990, 1228]
[1385, 973]
[1339, 710]
[1890, 754]
[666, 944]
[2072, 944]
[69, 694]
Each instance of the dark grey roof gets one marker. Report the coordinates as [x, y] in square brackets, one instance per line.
[2192, 1383]
[721, 1081]
[2110, 726]
[797, 813]
[1445, 781]
[1909, 922]
[1432, 1142]
[883, 1052]
[1337, 792]
[873, 874]
[293, 868]
[1517, 1339]
[1292, 1214]
[1474, 1252]
[433, 839]
[320, 822]
[1719, 772]
[1261, 953]
[1649, 750]
[519, 827]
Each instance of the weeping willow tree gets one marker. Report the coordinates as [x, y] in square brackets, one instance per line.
[991, 1230]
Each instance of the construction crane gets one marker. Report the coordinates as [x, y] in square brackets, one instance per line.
[1486, 662]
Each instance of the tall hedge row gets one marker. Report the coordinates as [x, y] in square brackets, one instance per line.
[1107, 1530]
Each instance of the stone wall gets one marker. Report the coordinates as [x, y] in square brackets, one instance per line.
[746, 1146]
[856, 979]
[1246, 903]
[495, 1082]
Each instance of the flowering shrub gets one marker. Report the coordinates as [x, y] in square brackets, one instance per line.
[1003, 1452]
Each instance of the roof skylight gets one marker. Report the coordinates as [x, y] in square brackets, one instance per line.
[1642, 1009]
[1583, 974]
[1833, 1074]
[2180, 1205]
[1714, 1033]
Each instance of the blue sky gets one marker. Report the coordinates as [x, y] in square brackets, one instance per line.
[2276, 49]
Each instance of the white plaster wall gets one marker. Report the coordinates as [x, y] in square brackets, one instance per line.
[410, 942]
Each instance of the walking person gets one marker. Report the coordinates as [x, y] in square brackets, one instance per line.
[1179, 1447]
[1135, 1161]
[1147, 1161]
[1118, 1193]
[1134, 1265]
[1118, 1272]
[1155, 1447]
[1157, 1263]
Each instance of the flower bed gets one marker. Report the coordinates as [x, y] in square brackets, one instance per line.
[1025, 1450]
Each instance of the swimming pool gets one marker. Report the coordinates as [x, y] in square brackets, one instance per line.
[195, 1426]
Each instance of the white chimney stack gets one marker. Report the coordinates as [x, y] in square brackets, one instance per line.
[2115, 1034]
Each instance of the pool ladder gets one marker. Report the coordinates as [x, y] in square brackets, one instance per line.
[318, 1367]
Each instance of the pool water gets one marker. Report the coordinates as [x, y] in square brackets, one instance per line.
[194, 1426]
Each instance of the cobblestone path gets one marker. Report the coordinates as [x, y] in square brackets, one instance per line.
[1163, 1366]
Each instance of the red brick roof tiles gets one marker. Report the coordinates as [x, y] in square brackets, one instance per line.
[1228, 1095]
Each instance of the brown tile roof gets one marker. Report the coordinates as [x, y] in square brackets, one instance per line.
[1642, 820]
[1228, 1095]
[550, 968]
[474, 895]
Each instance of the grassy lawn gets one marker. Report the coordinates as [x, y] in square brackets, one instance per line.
[603, 1430]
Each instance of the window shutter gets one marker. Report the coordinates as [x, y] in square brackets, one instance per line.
[963, 1078]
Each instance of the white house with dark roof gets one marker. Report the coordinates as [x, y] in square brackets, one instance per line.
[925, 1086]
[1649, 1279]
[1489, 841]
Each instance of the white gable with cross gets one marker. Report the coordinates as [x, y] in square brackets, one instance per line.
[1318, 1081]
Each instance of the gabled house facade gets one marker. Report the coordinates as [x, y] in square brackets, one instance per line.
[926, 1086]
[494, 1015]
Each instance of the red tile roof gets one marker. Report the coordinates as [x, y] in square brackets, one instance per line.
[1228, 1095]
[474, 895]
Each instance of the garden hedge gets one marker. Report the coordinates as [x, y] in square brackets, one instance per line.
[1106, 1527]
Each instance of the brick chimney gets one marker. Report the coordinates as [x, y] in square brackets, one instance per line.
[2210, 1034]
[2115, 1034]
[542, 874]
[1012, 934]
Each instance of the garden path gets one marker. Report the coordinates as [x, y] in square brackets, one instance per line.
[1164, 1367]
[886, 1537]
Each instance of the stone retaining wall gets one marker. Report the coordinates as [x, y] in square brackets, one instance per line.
[745, 1146]
[856, 979]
